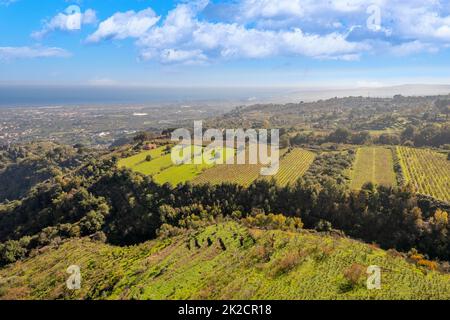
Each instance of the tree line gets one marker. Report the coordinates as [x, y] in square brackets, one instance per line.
[432, 135]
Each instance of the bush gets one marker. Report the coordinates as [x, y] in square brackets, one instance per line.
[13, 250]
[286, 263]
[91, 223]
[168, 231]
[431, 265]
[408, 143]
[324, 226]
[274, 221]
[263, 253]
[99, 236]
[354, 273]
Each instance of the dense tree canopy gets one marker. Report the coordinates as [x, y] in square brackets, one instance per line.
[129, 208]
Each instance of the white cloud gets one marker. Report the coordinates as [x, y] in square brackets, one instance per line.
[9, 53]
[177, 28]
[72, 19]
[335, 29]
[268, 9]
[421, 19]
[123, 25]
[182, 56]
[412, 47]
[182, 31]
[333, 45]
[424, 23]
[295, 13]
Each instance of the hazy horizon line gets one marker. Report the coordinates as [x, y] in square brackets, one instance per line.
[164, 86]
[13, 95]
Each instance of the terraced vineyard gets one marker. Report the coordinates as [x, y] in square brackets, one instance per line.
[293, 165]
[243, 174]
[428, 171]
[373, 164]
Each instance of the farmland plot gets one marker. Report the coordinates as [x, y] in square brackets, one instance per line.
[293, 165]
[140, 158]
[373, 164]
[243, 174]
[428, 171]
[163, 170]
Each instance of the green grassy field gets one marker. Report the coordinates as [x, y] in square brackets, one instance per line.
[150, 168]
[249, 264]
[180, 173]
[163, 170]
[135, 160]
[426, 170]
[373, 164]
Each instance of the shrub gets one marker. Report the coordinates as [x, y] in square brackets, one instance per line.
[274, 221]
[431, 265]
[12, 250]
[263, 253]
[99, 236]
[167, 231]
[286, 263]
[354, 273]
[91, 223]
[324, 226]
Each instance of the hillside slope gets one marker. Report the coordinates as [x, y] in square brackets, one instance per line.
[22, 167]
[224, 261]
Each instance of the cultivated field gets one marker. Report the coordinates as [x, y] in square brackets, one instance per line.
[373, 164]
[243, 174]
[163, 170]
[427, 171]
[135, 160]
[293, 165]
[180, 174]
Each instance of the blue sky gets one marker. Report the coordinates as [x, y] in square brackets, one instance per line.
[225, 43]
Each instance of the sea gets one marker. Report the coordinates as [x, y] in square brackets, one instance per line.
[46, 96]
